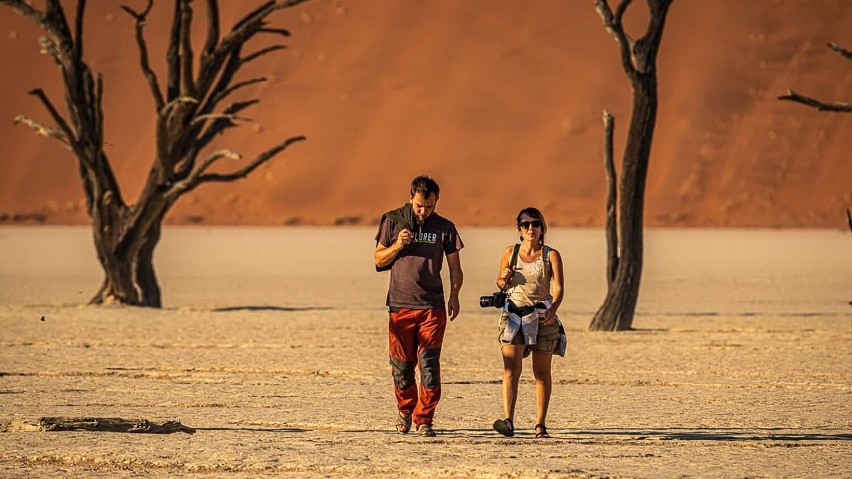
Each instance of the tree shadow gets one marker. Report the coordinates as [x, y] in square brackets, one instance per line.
[716, 434]
[253, 429]
[665, 434]
[227, 309]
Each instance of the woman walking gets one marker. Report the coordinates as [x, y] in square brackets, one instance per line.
[531, 274]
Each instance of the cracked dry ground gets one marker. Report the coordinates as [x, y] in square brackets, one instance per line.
[726, 388]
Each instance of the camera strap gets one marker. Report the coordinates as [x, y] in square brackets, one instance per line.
[514, 261]
[545, 257]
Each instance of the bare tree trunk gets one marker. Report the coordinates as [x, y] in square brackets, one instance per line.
[611, 202]
[130, 277]
[626, 251]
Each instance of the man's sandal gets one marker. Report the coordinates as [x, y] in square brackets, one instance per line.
[505, 427]
[403, 423]
[425, 430]
[541, 432]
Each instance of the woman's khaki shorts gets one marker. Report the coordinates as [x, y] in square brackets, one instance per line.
[546, 341]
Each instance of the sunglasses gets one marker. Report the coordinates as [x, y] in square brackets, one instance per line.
[527, 224]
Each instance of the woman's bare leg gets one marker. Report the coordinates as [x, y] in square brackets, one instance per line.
[543, 383]
[513, 355]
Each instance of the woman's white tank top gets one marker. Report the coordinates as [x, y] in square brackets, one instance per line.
[530, 283]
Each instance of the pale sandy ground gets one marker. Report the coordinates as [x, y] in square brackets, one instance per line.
[273, 344]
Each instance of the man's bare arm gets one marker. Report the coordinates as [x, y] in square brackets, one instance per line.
[384, 255]
[456, 280]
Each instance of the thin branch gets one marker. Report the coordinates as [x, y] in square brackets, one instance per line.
[217, 66]
[25, 9]
[278, 31]
[237, 86]
[43, 130]
[847, 54]
[99, 105]
[819, 105]
[217, 116]
[214, 157]
[220, 125]
[262, 52]
[78, 29]
[153, 82]
[54, 113]
[173, 55]
[181, 100]
[187, 85]
[259, 12]
[212, 28]
[619, 11]
[191, 181]
[261, 159]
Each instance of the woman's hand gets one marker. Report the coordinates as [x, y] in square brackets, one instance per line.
[549, 317]
[505, 277]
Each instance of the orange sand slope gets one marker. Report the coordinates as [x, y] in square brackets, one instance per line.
[500, 102]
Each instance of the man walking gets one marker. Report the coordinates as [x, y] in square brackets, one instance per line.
[412, 242]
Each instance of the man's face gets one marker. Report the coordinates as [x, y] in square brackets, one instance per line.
[423, 207]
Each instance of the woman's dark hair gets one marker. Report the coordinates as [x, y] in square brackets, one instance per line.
[533, 213]
[425, 186]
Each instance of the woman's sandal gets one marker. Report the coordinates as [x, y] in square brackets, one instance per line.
[505, 427]
[541, 432]
[403, 423]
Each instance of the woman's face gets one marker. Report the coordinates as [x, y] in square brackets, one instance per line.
[530, 228]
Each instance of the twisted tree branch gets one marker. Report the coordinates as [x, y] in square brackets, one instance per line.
[837, 106]
[612, 23]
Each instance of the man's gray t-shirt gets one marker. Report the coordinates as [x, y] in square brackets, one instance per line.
[415, 281]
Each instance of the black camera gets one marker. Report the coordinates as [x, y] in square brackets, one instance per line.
[496, 300]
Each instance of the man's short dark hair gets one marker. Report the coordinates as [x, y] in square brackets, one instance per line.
[425, 186]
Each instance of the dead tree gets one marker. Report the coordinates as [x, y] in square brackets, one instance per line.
[837, 106]
[106, 424]
[625, 229]
[111, 424]
[189, 116]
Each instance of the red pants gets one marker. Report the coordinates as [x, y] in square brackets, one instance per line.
[415, 337]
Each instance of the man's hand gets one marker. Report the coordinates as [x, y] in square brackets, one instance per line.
[384, 256]
[404, 237]
[453, 307]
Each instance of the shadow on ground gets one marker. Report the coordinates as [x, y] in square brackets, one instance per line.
[226, 309]
[680, 434]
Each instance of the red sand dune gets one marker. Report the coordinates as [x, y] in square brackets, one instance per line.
[500, 101]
